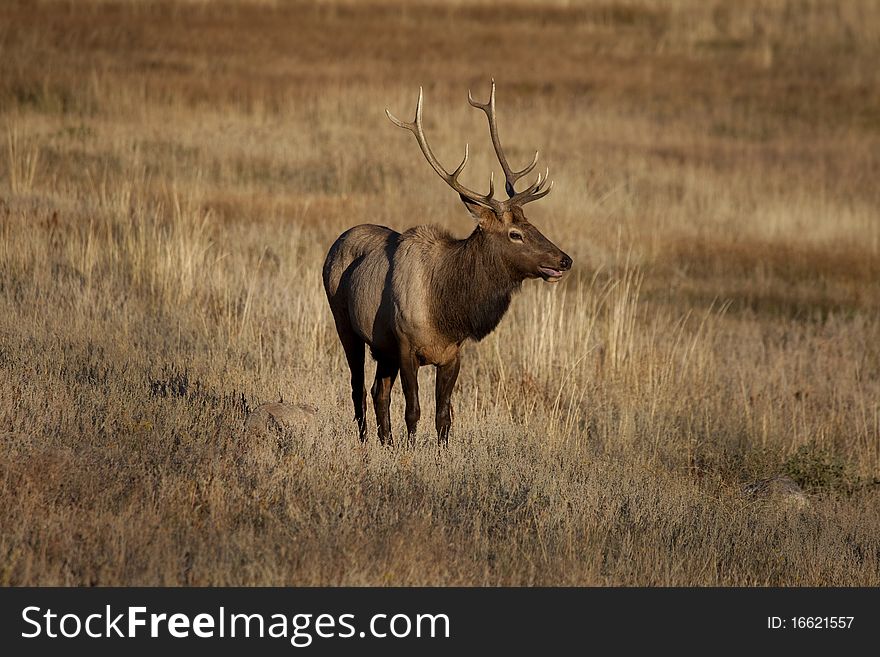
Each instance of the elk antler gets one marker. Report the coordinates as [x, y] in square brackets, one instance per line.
[451, 179]
[534, 191]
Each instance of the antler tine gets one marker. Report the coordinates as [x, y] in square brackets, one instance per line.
[451, 179]
[510, 175]
[533, 193]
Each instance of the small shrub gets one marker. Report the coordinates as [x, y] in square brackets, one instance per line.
[817, 468]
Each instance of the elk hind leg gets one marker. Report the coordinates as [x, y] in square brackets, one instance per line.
[355, 349]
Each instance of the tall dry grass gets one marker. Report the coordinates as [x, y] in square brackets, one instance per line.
[174, 173]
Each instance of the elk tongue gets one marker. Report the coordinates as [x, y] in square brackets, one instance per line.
[549, 274]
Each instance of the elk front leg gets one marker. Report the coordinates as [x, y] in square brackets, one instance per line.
[409, 379]
[446, 377]
[386, 372]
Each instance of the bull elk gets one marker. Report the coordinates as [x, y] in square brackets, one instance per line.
[415, 297]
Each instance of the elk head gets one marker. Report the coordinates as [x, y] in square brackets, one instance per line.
[518, 244]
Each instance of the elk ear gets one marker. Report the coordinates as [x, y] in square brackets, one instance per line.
[480, 213]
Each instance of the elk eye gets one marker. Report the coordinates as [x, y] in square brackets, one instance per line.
[515, 236]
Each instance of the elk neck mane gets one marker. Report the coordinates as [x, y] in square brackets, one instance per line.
[471, 286]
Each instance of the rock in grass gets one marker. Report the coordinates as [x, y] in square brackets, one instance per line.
[280, 416]
[779, 488]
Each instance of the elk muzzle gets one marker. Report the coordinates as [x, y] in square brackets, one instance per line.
[554, 274]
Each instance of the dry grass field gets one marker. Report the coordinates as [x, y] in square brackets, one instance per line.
[173, 173]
